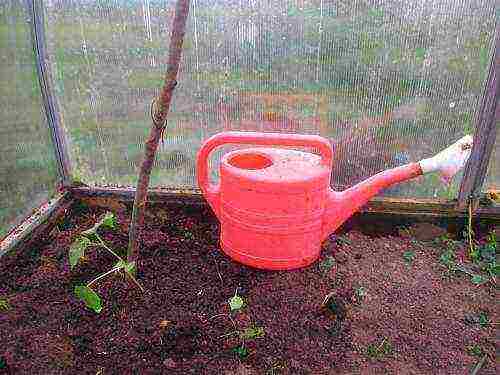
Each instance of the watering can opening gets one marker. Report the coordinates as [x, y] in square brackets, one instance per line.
[250, 160]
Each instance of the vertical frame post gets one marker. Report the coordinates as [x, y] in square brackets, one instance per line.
[49, 99]
[485, 134]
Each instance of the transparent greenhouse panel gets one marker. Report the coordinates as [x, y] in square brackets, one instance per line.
[387, 82]
[27, 166]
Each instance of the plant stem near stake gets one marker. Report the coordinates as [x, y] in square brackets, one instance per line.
[159, 116]
[104, 275]
[77, 251]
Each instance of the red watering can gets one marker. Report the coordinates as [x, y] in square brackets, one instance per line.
[276, 206]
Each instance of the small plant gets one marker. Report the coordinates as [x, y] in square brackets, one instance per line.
[379, 351]
[3, 363]
[483, 320]
[475, 350]
[343, 240]
[446, 241]
[327, 264]
[252, 333]
[408, 257]
[478, 279]
[488, 255]
[236, 302]
[484, 258]
[4, 305]
[90, 238]
[241, 351]
[447, 259]
[360, 293]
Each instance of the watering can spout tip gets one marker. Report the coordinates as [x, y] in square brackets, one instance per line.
[449, 161]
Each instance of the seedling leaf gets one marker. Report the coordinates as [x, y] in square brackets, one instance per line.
[483, 319]
[379, 351]
[236, 302]
[77, 250]
[4, 305]
[408, 256]
[475, 350]
[477, 279]
[241, 351]
[360, 292]
[447, 258]
[109, 220]
[495, 270]
[130, 267]
[327, 264]
[87, 295]
[252, 333]
[488, 252]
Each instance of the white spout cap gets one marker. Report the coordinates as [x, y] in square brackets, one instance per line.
[449, 161]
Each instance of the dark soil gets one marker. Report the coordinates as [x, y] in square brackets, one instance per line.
[382, 316]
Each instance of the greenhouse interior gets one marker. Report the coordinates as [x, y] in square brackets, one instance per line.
[249, 187]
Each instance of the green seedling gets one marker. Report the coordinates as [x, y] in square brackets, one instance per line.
[483, 320]
[408, 257]
[236, 302]
[379, 351]
[448, 259]
[478, 279]
[188, 235]
[252, 333]
[327, 264]
[4, 305]
[343, 240]
[241, 351]
[484, 258]
[3, 363]
[90, 238]
[360, 293]
[474, 254]
[488, 255]
[475, 350]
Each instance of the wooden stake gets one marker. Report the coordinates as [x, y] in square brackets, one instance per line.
[159, 112]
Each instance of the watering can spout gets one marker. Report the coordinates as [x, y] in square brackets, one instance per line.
[342, 205]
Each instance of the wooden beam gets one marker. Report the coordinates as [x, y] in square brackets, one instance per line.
[393, 206]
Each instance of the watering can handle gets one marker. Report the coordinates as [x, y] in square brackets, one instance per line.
[211, 191]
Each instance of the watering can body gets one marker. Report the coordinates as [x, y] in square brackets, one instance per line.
[271, 206]
[275, 204]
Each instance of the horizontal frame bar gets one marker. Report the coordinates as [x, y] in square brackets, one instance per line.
[46, 215]
[394, 206]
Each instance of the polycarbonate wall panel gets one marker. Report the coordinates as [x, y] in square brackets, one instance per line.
[386, 81]
[27, 165]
